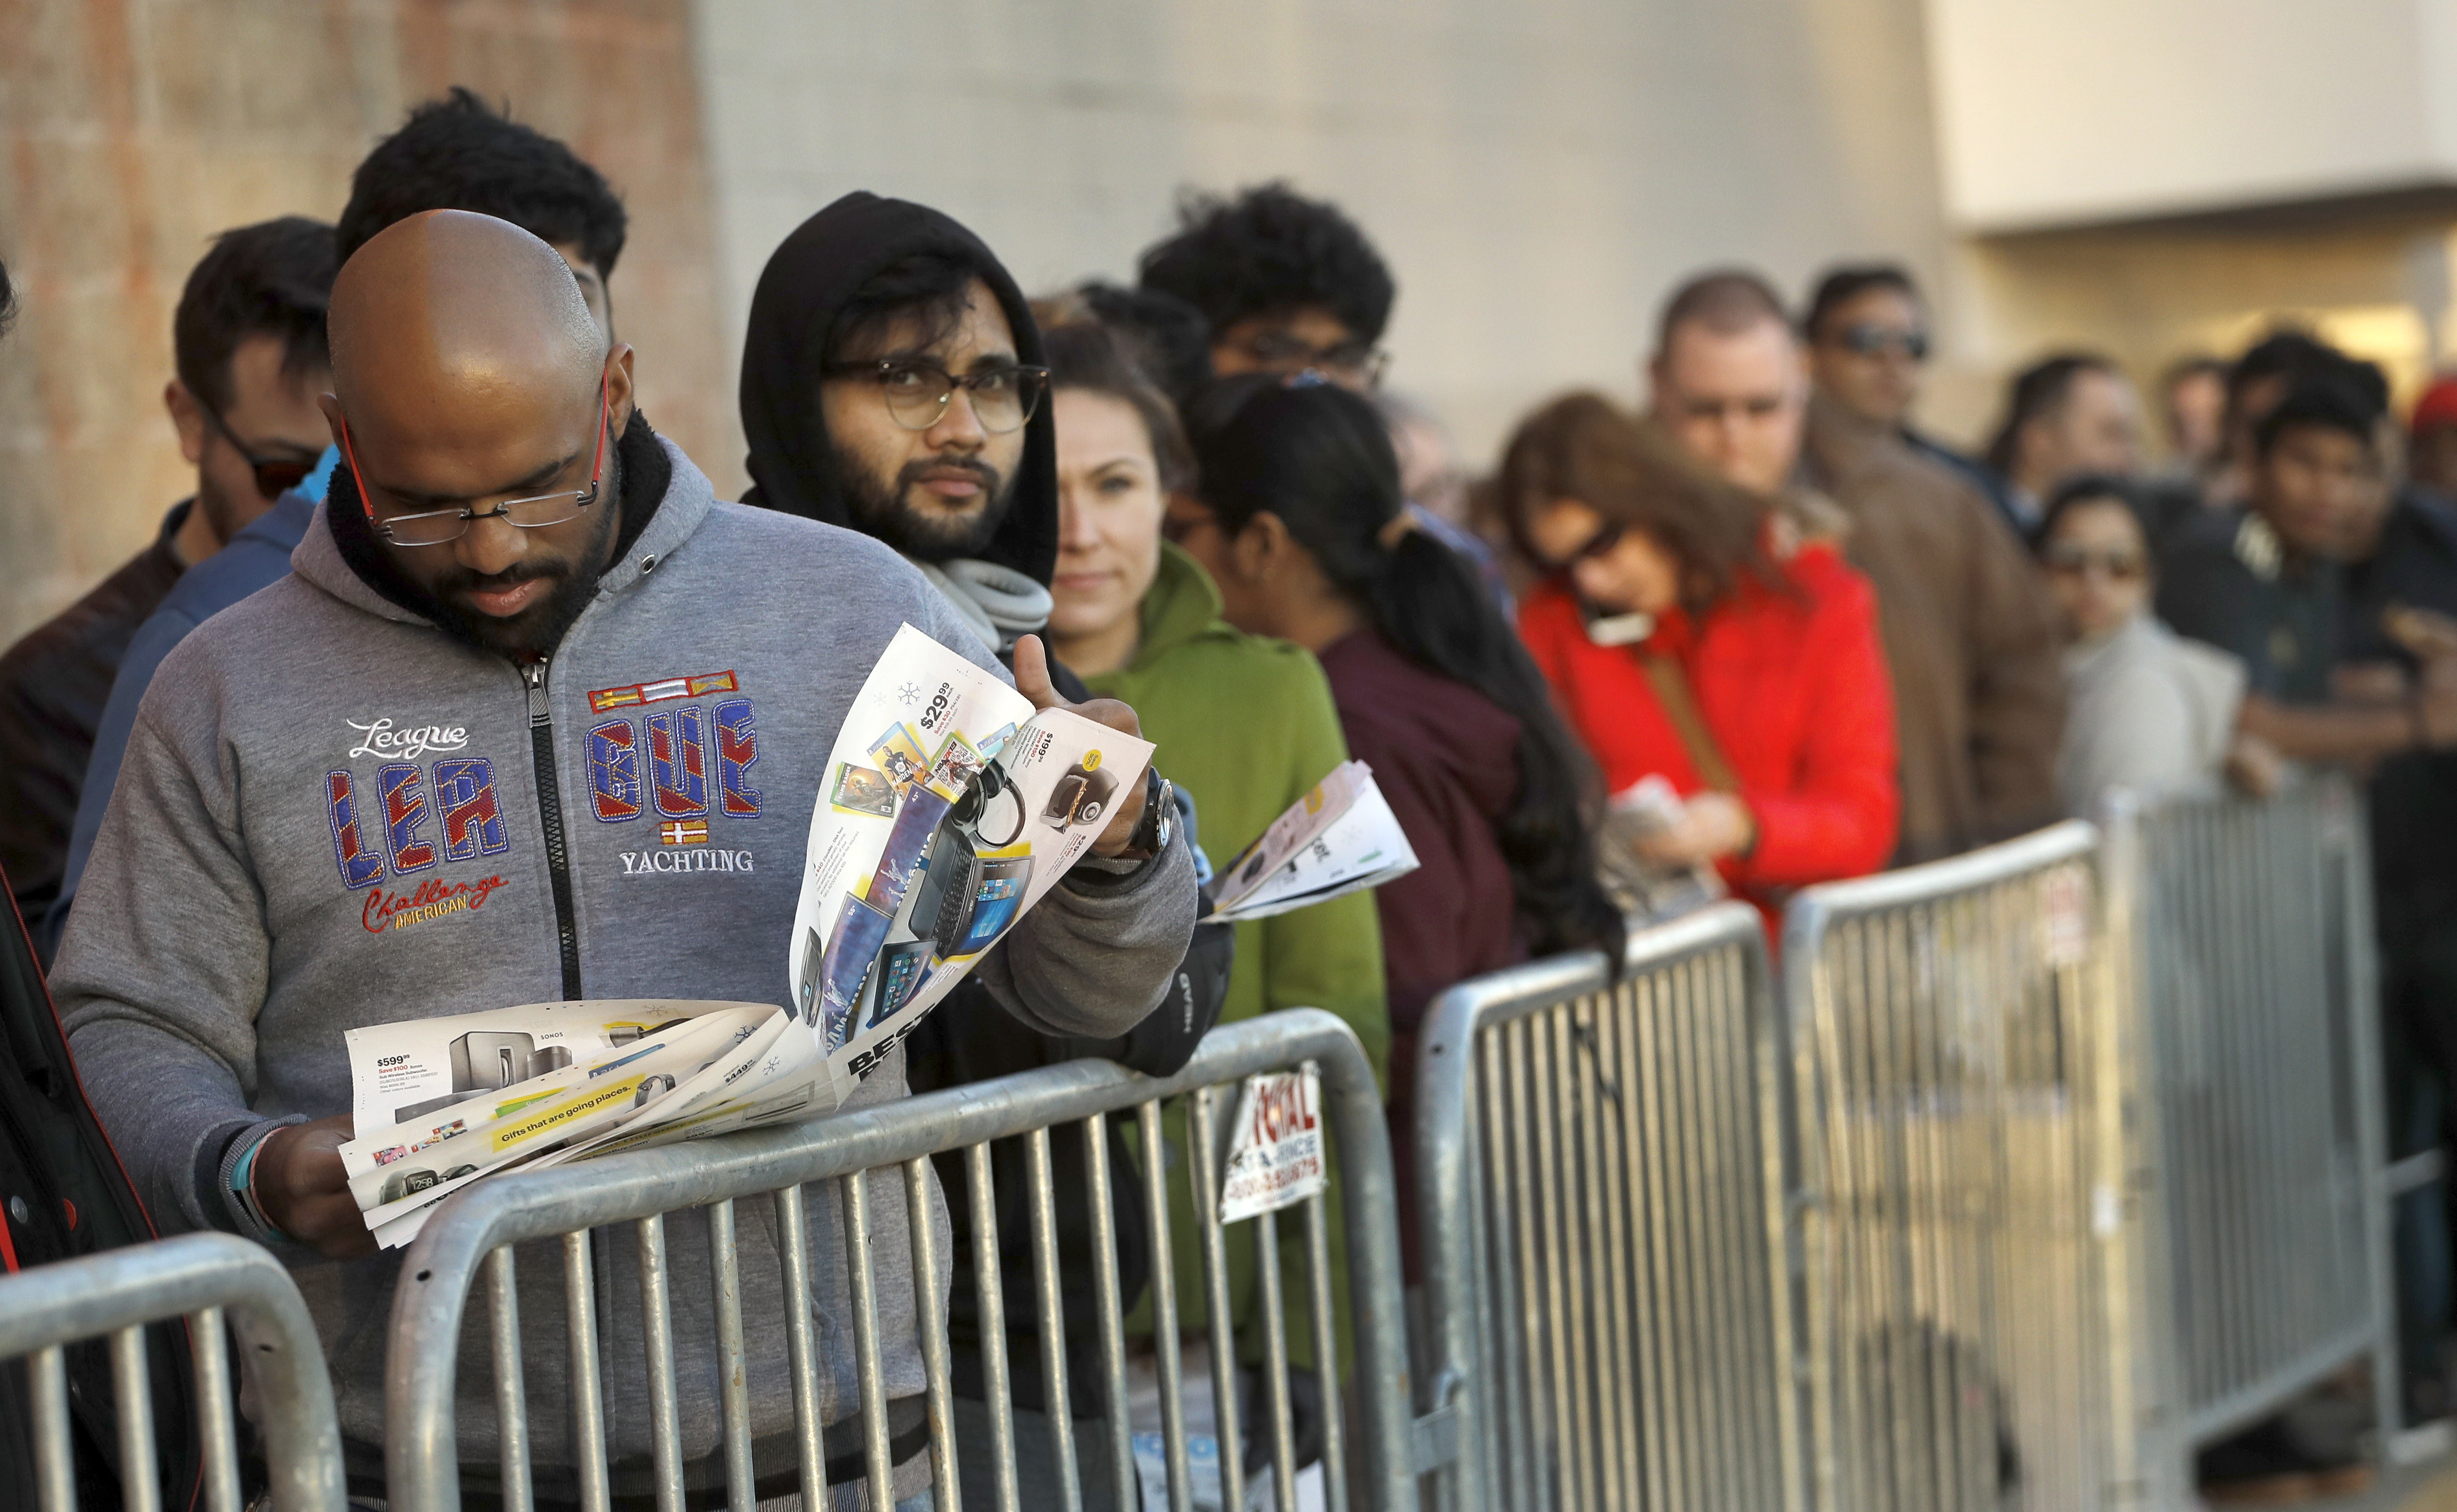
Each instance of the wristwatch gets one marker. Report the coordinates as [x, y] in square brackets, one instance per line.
[1152, 832]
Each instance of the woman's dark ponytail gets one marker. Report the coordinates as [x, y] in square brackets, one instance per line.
[1321, 459]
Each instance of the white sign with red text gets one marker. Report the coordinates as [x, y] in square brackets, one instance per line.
[1276, 1152]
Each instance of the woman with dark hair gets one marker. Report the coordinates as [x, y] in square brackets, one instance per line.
[2151, 710]
[1299, 520]
[1693, 636]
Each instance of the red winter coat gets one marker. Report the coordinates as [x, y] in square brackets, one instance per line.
[1793, 687]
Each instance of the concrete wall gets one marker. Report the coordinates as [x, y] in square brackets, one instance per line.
[133, 130]
[1538, 172]
[2098, 110]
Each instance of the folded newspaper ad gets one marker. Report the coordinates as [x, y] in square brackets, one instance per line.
[1642, 889]
[1340, 838]
[950, 807]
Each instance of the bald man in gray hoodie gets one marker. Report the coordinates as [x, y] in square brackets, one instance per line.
[535, 717]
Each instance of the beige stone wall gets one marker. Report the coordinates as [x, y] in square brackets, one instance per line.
[1538, 171]
[133, 130]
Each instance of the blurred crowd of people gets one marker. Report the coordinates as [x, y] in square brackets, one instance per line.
[1761, 631]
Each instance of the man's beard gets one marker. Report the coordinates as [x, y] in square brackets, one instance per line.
[927, 536]
[538, 629]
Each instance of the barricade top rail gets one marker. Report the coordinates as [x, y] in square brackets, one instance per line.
[119, 1290]
[1500, 996]
[1829, 902]
[444, 1263]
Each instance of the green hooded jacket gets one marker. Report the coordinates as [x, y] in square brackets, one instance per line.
[1247, 725]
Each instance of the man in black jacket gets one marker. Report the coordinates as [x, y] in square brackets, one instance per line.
[249, 339]
[891, 383]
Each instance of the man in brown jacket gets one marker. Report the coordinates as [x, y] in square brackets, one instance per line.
[1978, 691]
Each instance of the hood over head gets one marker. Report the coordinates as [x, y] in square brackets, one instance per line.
[809, 278]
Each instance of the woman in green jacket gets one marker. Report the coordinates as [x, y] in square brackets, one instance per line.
[1244, 723]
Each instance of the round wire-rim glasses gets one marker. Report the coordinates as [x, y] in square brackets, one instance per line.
[918, 393]
[443, 526]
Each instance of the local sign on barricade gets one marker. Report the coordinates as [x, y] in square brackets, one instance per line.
[1275, 1150]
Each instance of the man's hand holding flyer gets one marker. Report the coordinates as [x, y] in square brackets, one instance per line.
[950, 807]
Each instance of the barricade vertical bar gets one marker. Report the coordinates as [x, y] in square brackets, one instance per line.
[54, 1460]
[587, 1404]
[1325, 1353]
[657, 1332]
[140, 1486]
[1642, 1122]
[1596, 1296]
[1108, 1308]
[879, 1470]
[511, 1398]
[931, 1316]
[212, 1362]
[733, 1383]
[990, 1295]
[1167, 1362]
[1275, 1361]
[1622, 1309]
[1041, 1199]
[1201, 1132]
[794, 1254]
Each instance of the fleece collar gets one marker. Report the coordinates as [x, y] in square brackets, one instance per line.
[679, 513]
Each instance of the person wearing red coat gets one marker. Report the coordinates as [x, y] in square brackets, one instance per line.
[1788, 767]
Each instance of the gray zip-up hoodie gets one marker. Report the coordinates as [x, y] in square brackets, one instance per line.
[334, 815]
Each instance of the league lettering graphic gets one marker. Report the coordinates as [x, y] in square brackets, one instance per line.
[465, 790]
[404, 799]
[678, 762]
[614, 771]
[361, 866]
[737, 746]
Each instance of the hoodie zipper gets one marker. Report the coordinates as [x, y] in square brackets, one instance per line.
[558, 854]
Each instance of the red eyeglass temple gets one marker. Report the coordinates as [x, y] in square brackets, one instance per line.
[596, 466]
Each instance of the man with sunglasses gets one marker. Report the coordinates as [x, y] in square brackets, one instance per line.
[249, 342]
[445, 766]
[453, 153]
[1867, 335]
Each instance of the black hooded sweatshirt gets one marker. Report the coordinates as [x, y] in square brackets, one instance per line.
[808, 280]
[967, 1038]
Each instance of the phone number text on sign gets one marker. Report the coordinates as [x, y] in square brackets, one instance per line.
[1275, 1155]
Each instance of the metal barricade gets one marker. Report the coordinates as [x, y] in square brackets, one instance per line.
[1603, 1170]
[1953, 1042]
[476, 1231]
[205, 1277]
[2244, 934]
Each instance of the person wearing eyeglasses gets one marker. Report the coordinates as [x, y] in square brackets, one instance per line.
[1867, 333]
[1691, 636]
[248, 339]
[1287, 284]
[894, 384]
[452, 153]
[2152, 711]
[522, 635]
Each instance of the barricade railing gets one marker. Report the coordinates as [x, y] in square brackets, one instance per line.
[1603, 1170]
[1955, 1051]
[476, 1229]
[206, 1278]
[2242, 931]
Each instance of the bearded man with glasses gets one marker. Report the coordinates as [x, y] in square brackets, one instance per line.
[442, 767]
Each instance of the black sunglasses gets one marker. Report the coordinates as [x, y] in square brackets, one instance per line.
[1868, 340]
[274, 478]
